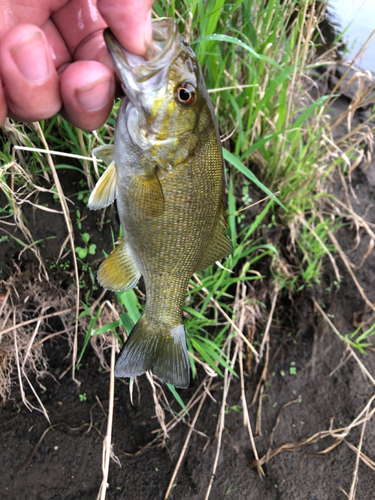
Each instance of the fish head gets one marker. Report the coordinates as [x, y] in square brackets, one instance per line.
[167, 101]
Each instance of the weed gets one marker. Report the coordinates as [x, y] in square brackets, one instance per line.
[87, 249]
[293, 368]
[259, 63]
[78, 218]
[230, 489]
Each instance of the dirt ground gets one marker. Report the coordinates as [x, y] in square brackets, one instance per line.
[313, 385]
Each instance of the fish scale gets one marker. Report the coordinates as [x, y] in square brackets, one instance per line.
[167, 175]
[186, 229]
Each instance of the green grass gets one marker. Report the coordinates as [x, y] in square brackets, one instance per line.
[263, 58]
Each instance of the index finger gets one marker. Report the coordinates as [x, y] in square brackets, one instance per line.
[130, 22]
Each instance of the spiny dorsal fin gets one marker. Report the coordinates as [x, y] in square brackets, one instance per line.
[148, 195]
[105, 153]
[119, 272]
[105, 190]
[220, 245]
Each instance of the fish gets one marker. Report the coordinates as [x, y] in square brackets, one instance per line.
[166, 174]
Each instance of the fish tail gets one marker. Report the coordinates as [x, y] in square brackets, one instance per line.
[156, 346]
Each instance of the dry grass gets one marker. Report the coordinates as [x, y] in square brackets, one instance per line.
[21, 342]
[107, 446]
[21, 347]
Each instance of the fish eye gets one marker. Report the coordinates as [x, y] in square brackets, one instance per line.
[185, 93]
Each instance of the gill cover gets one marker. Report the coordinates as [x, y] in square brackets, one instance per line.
[163, 95]
[144, 79]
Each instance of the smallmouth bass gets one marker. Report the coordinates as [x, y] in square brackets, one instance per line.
[167, 175]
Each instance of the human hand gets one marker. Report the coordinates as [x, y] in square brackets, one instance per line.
[53, 56]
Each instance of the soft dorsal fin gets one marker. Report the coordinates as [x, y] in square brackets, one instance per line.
[105, 190]
[148, 194]
[220, 245]
[119, 272]
[105, 153]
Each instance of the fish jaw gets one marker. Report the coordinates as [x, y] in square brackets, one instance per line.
[141, 76]
[155, 120]
[144, 80]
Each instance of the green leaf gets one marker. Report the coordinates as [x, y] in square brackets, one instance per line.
[241, 167]
[130, 301]
[206, 355]
[85, 237]
[92, 249]
[82, 252]
[105, 328]
[231, 39]
[89, 328]
[177, 398]
[126, 322]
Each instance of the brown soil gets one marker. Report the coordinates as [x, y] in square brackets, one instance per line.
[327, 390]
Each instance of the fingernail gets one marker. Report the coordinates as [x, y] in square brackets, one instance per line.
[95, 96]
[31, 58]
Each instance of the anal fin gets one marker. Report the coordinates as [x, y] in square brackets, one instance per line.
[105, 190]
[119, 272]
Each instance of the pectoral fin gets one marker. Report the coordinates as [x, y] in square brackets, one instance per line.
[148, 195]
[105, 153]
[105, 190]
[219, 247]
[119, 272]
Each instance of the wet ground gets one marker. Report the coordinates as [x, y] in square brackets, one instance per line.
[313, 385]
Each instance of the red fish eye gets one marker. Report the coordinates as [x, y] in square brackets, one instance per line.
[186, 93]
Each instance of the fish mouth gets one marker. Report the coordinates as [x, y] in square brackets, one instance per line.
[141, 74]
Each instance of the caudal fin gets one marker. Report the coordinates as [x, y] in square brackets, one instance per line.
[155, 346]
